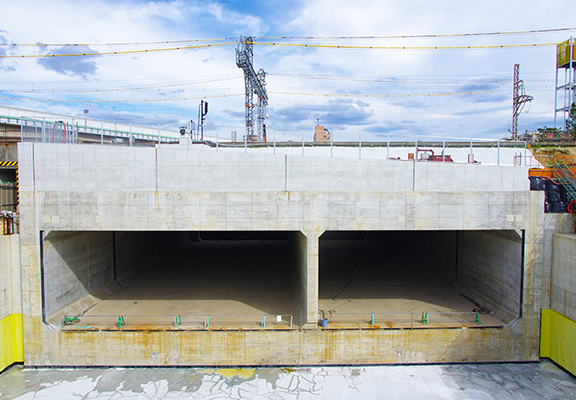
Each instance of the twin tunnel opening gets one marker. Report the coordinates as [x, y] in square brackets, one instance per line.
[271, 279]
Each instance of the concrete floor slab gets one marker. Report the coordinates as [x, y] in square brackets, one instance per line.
[535, 381]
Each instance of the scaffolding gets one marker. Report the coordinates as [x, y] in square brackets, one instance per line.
[565, 60]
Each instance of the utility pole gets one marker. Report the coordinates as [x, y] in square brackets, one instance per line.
[519, 98]
[254, 84]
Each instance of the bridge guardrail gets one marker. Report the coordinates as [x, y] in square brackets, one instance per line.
[44, 131]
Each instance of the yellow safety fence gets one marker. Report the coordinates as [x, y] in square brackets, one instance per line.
[558, 339]
[11, 340]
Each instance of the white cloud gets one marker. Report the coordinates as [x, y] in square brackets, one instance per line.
[102, 21]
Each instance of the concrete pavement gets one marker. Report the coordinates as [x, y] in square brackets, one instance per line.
[408, 382]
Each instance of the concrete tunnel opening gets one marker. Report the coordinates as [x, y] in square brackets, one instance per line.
[168, 280]
[415, 279]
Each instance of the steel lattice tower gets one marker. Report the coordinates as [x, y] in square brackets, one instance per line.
[254, 84]
[518, 100]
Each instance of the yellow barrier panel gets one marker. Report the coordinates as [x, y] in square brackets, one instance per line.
[11, 340]
[558, 339]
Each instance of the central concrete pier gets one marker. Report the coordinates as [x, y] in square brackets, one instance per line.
[407, 261]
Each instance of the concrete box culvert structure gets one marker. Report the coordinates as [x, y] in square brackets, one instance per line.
[99, 222]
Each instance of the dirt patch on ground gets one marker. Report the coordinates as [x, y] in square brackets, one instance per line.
[546, 155]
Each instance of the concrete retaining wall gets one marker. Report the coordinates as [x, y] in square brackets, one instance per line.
[559, 322]
[11, 343]
[563, 280]
[75, 264]
[490, 270]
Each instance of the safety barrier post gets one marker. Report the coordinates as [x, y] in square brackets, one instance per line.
[291, 317]
[425, 320]
[69, 321]
[263, 321]
[120, 322]
[206, 321]
[478, 318]
[177, 321]
[372, 319]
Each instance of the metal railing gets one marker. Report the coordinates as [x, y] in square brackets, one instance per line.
[46, 131]
[403, 320]
[179, 321]
[461, 150]
[565, 176]
[549, 161]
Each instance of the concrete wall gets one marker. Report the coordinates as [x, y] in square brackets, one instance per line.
[133, 251]
[490, 270]
[11, 342]
[441, 250]
[563, 280]
[559, 322]
[75, 264]
[99, 188]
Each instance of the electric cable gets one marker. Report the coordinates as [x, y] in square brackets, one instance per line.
[109, 53]
[115, 89]
[123, 100]
[349, 47]
[385, 80]
[115, 43]
[554, 30]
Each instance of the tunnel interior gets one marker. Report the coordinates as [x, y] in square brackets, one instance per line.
[151, 278]
[455, 277]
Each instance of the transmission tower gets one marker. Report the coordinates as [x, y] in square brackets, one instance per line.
[254, 84]
[518, 100]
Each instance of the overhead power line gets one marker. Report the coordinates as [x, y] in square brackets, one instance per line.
[146, 43]
[115, 89]
[328, 46]
[328, 78]
[124, 100]
[242, 94]
[449, 35]
[383, 95]
[114, 43]
[108, 53]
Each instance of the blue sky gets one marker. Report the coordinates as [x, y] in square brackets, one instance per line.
[406, 93]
